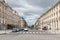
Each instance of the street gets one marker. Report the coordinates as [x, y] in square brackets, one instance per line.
[29, 20]
[30, 35]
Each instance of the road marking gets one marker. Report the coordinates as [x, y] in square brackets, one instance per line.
[30, 32]
[33, 32]
[23, 32]
[37, 32]
[27, 32]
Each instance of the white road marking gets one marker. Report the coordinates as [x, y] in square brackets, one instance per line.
[30, 32]
[24, 32]
[37, 32]
[27, 32]
[33, 32]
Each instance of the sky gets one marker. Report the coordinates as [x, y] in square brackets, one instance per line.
[31, 10]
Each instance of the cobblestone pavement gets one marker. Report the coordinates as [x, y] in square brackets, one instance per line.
[27, 36]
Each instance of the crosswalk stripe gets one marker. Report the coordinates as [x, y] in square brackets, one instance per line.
[24, 32]
[31, 32]
[27, 32]
[36, 32]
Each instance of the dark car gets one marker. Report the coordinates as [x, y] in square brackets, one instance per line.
[44, 28]
[15, 30]
[21, 29]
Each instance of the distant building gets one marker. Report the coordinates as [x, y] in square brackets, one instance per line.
[23, 22]
[50, 19]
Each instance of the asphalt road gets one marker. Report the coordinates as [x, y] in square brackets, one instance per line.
[30, 35]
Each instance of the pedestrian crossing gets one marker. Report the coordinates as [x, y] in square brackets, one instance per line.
[31, 32]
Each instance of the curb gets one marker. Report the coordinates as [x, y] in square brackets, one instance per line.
[3, 33]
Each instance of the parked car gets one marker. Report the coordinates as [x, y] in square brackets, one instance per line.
[25, 29]
[15, 30]
[21, 29]
[44, 28]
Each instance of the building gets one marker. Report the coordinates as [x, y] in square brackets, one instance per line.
[9, 18]
[37, 24]
[50, 19]
[23, 22]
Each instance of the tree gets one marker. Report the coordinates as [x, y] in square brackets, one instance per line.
[32, 27]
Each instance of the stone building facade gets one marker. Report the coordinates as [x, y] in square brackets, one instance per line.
[9, 18]
[50, 19]
[23, 23]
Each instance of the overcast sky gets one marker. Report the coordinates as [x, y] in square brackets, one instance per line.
[31, 10]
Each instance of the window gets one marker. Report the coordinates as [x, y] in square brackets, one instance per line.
[54, 14]
[59, 18]
[59, 11]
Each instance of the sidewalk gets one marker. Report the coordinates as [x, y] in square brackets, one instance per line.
[5, 32]
[53, 31]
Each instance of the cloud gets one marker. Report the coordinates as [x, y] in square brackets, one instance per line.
[31, 19]
[41, 3]
[30, 9]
